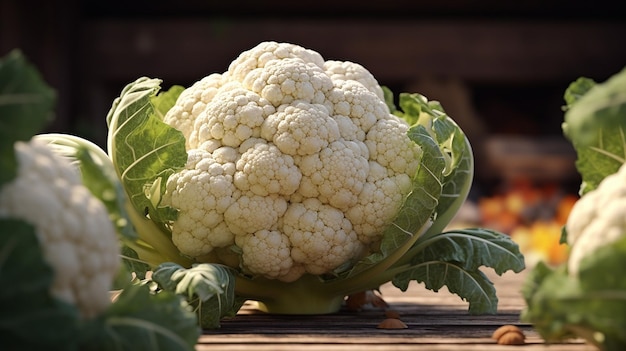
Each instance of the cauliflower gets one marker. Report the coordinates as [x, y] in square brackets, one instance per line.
[597, 219]
[317, 165]
[583, 298]
[302, 180]
[77, 237]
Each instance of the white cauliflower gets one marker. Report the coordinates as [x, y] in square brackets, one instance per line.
[193, 101]
[597, 219]
[77, 237]
[295, 160]
[351, 71]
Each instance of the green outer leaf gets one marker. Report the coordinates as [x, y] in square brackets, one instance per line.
[576, 90]
[166, 100]
[596, 126]
[597, 270]
[603, 106]
[454, 259]
[25, 299]
[210, 289]
[561, 306]
[144, 150]
[474, 248]
[455, 149]
[596, 162]
[424, 198]
[389, 99]
[141, 320]
[472, 286]
[26, 107]
[457, 184]
[133, 263]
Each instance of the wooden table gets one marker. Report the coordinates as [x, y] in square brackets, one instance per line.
[436, 321]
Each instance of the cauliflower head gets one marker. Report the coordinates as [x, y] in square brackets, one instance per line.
[295, 162]
[78, 239]
[597, 218]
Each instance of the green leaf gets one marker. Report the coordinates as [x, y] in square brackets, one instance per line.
[454, 147]
[209, 288]
[423, 199]
[596, 269]
[454, 259]
[133, 263]
[576, 90]
[389, 99]
[166, 100]
[26, 107]
[144, 150]
[605, 157]
[142, 320]
[25, 299]
[601, 107]
[472, 286]
[591, 305]
[596, 126]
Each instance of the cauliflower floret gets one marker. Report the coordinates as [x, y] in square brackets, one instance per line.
[597, 219]
[252, 213]
[390, 146]
[300, 129]
[321, 237]
[362, 107]
[266, 252]
[264, 169]
[234, 116]
[76, 234]
[192, 102]
[202, 193]
[284, 81]
[351, 71]
[383, 195]
[335, 175]
[265, 52]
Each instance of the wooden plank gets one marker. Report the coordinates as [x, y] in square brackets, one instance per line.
[436, 321]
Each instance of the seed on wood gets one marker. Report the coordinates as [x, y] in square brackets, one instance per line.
[509, 335]
[392, 323]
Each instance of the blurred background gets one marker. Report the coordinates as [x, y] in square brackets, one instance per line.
[499, 68]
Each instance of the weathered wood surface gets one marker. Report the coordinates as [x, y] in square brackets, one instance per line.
[436, 321]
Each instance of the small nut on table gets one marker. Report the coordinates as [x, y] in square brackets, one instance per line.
[509, 335]
[392, 323]
[365, 299]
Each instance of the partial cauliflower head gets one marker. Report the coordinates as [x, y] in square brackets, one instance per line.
[77, 237]
[597, 219]
[294, 160]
